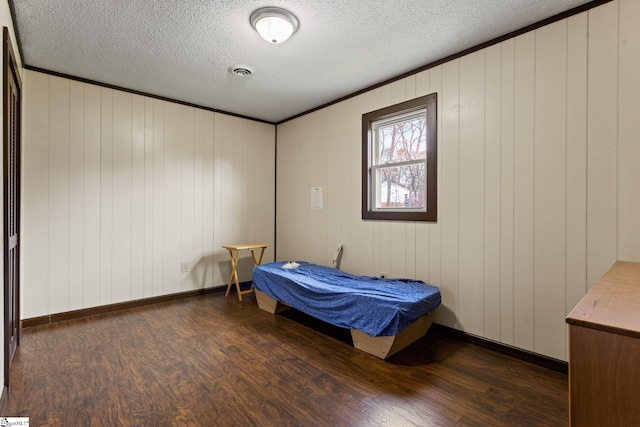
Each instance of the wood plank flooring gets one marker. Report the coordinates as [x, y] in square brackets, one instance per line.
[213, 361]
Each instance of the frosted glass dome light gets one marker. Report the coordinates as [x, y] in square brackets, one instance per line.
[275, 25]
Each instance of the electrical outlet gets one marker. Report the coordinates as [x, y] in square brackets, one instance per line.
[184, 267]
[383, 275]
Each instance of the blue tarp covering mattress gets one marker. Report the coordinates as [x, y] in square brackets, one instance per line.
[379, 307]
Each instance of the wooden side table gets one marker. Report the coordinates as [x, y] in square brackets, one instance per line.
[234, 254]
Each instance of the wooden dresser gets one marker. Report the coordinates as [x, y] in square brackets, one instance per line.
[604, 351]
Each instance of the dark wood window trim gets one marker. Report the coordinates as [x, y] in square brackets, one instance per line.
[430, 103]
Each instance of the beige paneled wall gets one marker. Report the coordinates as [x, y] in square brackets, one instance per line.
[538, 178]
[119, 190]
[628, 131]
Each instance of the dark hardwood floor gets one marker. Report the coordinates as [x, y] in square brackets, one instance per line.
[212, 361]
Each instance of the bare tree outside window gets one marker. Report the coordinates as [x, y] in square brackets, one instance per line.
[399, 161]
[402, 144]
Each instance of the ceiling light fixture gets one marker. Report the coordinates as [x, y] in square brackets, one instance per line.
[274, 24]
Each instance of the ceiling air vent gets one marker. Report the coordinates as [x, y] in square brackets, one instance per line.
[241, 70]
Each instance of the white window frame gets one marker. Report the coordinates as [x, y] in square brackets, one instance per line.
[375, 166]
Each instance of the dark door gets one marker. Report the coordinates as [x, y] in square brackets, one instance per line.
[11, 213]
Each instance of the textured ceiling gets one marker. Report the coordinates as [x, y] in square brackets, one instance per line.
[182, 49]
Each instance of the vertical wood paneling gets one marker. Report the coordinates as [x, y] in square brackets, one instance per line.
[333, 190]
[243, 190]
[147, 269]
[507, 193]
[240, 154]
[471, 196]
[120, 192]
[137, 197]
[197, 264]
[629, 129]
[239, 209]
[186, 150]
[208, 241]
[349, 182]
[492, 196]
[370, 263]
[158, 197]
[91, 202]
[224, 185]
[121, 238]
[233, 195]
[524, 119]
[219, 166]
[602, 137]
[550, 188]
[261, 215]
[106, 194]
[35, 196]
[172, 186]
[316, 177]
[351, 201]
[576, 214]
[358, 252]
[76, 194]
[59, 195]
[435, 230]
[285, 171]
[448, 143]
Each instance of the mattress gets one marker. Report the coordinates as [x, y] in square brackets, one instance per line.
[376, 306]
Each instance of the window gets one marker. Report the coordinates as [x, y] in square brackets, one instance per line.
[399, 161]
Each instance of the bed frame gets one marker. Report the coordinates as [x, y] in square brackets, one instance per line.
[382, 347]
